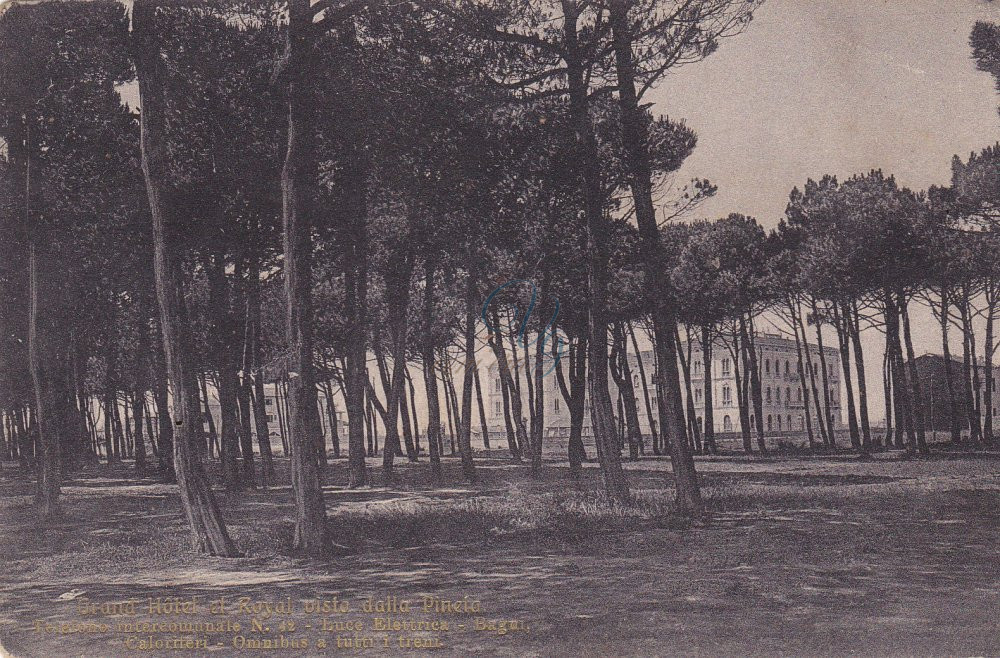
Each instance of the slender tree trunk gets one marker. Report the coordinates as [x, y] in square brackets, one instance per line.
[825, 376]
[645, 390]
[224, 339]
[165, 427]
[465, 431]
[887, 390]
[706, 349]
[748, 335]
[854, 329]
[793, 311]
[512, 392]
[298, 182]
[430, 374]
[991, 308]
[413, 410]
[953, 409]
[692, 414]
[918, 396]
[840, 324]
[482, 409]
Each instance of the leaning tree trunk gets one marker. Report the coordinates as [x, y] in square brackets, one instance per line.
[207, 527]
[482, 412]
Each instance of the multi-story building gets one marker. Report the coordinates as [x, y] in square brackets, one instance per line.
[276, 408]
[781, 391]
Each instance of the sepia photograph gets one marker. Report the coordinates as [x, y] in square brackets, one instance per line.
[527, 328]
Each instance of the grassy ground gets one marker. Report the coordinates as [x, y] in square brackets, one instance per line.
[800, 555]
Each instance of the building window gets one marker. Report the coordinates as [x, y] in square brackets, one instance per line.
[787, 367]
[777, 395]
[798, 394]
[697, 367]
[789, 422]
[769, 395]
[555, 404]
[802, 423]
[270, 418]
[498, 407]
[788, 399]
[779, 422]
[268, 401]
[751, 420]
[727, 396]
[767, 366]
[769, 422]
[697, 395]
[727, 424]
[727, 367]
[497, 385]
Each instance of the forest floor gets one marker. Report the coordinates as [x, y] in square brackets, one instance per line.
[799, 555]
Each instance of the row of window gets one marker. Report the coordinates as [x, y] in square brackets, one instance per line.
[774, 422]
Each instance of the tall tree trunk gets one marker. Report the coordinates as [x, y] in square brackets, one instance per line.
[840, 321]
[793, 311]
[430, 374]
[512, 392]
[918, 396]
[645, 390]
[824, 374]
[465, 431]
[482, 409]
[207, 527]
[224, 341]
[991, 295]
[165, 427]
[623, 380]
[574, 396]
[968, 349]
[636, 140]
[298, 183]
[47, 363]
[706, 350]
[601, 411]
[887, 392]
[854, 328]
[413, 410]
[748, 334]
[953, 409]
[693, 429]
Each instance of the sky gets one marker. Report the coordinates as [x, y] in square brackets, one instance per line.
[817, 87]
